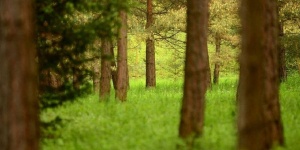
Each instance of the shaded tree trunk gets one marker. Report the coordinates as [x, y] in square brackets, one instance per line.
[106, 58]
[196, 68]
[19, 115]
[150, 48]
[76, 78]
[271, 78]
[259, 121]
[122, 82]
[281, 54]
[217, 63]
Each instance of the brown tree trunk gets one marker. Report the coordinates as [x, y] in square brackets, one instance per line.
[19, 115]
[217, 63]
[281, 54]
[196, 68]
[259, 121]
[76, 78]
[150, 48]
[271, 104]
[122, 83]
[105, 69]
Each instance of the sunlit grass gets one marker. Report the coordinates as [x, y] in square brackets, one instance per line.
[149, 119]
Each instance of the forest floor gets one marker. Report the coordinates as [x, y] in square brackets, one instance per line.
[149, 119]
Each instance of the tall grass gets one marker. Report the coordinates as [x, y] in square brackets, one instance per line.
[149, 119]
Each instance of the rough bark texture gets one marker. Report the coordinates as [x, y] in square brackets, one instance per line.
[281, 55]
[150, 48]
[259, 121]
[105, 69]
[271, 105]
[122, 82]
[217, 63]
[196, 68]
[19, 127]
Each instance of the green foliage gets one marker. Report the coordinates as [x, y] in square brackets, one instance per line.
[150, 118]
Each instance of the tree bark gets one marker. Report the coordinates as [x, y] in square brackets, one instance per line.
[19, 115]
[271, 104]
[259, 121]
[122, 82]
[106, 58]
[196, 70]
[217, 63]
[150, 48]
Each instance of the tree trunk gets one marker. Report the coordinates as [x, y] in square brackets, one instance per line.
[217, 63]
[122, 83]
[271, 104]
[259, 121]
[150, 48]
[105, 69]
[281, 55]
[196, 68]
[19, 115]
[76, 78]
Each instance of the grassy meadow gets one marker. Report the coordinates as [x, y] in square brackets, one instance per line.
[149, 119]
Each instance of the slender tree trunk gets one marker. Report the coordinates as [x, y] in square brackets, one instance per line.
[76, 78]
[196, 68]
[259, 121]
[113, 68]
[281, 54]
[105, 69]
[122, 77]
[19, 115]
[217, 63]
[150, 48]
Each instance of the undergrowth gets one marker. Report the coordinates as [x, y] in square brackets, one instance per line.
[149, 119]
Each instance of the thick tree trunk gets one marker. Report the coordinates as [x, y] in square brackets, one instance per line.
[217, 63]
[259, 121]
[281, 54]
[122, 77]
[150, 48]
[251, 128]
[196, 68]
[19, 115]
[271, 104]
[105, 69]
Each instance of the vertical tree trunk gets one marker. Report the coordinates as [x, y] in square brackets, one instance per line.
[122, 83]
[113, 68]
[19, 115]
[196, 68]
[76, 78]
[105, 69]
[259, 121]
[217, 63]
[150, 48]
[281, 54]
[251, 128]
[271, 104]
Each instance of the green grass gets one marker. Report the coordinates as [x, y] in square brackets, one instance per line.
[149, 119]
